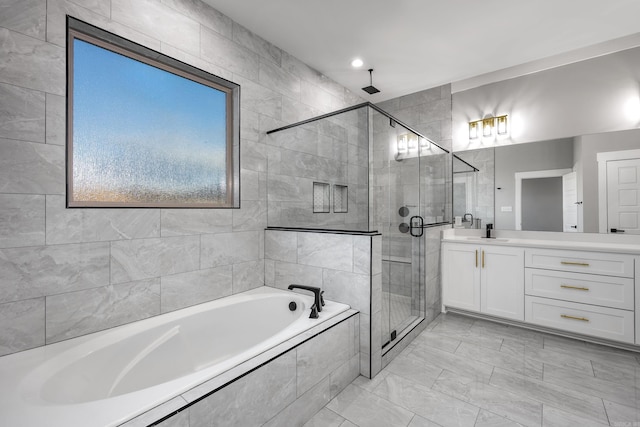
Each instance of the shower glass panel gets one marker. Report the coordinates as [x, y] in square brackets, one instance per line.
[383, 177]
[329, 152]
[408, 174]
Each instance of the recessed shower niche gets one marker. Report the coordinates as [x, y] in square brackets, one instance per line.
[377, 167]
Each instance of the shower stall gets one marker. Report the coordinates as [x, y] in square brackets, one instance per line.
[360, 170]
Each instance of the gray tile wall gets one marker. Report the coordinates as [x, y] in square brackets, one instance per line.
[73, 271]
[333, 150]
[347, 267]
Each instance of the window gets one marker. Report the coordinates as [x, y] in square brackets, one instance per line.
[145, 130]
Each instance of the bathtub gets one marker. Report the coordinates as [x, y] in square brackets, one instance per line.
[109, 377]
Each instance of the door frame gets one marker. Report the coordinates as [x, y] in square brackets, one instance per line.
[603, 196]
[519, 176]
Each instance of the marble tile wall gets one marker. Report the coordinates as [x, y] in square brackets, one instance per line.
[73, 271]
[333, 150]
[348, 267]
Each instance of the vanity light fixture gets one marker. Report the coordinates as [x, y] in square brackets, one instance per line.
[474, 130]
[488, 126]
[502, 124]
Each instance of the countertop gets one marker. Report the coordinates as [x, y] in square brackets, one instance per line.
[590, 242]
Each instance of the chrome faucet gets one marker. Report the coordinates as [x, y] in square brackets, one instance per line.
[317, 297]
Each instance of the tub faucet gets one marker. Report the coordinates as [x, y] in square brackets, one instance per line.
[317, 297]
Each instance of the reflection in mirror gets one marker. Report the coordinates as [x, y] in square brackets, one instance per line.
[473, 173]
[569, 184]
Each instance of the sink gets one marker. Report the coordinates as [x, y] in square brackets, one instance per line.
[485, 239]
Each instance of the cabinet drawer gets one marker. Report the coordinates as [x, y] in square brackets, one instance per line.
[580, 262]
[602, 322]
[608, 291]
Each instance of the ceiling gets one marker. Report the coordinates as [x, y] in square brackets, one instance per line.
[418, 44]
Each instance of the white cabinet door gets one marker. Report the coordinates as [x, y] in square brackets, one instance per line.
[502, 279]
[461, 276]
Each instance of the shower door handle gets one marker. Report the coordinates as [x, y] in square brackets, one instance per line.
[416, 222]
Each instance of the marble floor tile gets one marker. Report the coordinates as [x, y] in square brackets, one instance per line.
[430, 404]
[521, 365]
[547, 356]
[370, 384]
[629, 375]
[325, 418]
[469, 372]
[591, 351]
[368, 410]
[471, 337]
[562, 398]
[418, 421]
[621, 415]
[483, 327]
[433, 340]
[554, 417]
[507, 405]
[414, 368]
[452, 362]
[609, 390]
[489, 419]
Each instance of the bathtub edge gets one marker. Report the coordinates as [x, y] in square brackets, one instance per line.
[200, 392]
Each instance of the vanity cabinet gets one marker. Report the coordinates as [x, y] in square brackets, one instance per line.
[547, 284]
[590, 293]
[484, 278]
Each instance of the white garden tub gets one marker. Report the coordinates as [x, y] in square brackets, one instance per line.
[106, 378]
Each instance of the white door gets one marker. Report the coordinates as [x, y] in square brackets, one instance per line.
[623, 196]
[570, 202]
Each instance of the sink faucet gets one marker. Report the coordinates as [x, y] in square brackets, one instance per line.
[317, 296]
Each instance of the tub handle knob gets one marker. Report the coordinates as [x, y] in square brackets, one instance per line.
[314, 312]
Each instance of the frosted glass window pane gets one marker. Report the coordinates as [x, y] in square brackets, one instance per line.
[145, 134]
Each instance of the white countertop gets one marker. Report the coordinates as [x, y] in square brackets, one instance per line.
[554, 241]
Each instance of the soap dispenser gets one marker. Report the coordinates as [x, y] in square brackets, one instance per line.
[489, 228]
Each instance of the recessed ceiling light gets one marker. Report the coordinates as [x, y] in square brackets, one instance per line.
[357, 63]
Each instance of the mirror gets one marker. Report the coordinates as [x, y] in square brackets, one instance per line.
[588, 183]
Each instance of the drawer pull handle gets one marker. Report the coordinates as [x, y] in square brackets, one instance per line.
[582, 264]
[482, 259]
[566, 316]
[476, 258]
[577, 288]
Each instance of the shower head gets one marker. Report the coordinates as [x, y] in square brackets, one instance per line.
[371, 89]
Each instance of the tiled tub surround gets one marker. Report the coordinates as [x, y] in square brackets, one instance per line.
[348, 267]
[105, 377]
[69, 272]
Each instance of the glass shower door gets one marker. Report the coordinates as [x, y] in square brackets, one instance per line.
[400, 215]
